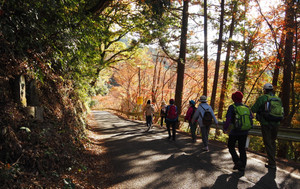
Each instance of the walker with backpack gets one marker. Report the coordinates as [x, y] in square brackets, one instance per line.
[172, 114]
[242, 120]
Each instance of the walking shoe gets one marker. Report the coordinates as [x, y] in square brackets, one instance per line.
[205, 148]
[270, 166]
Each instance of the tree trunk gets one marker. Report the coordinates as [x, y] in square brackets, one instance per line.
[182, 55]
[244, 68]
[278, 61]
[153, 91]
[205, 50]
[295, 103]
[287, 67]
[216, 77]
[225, 74]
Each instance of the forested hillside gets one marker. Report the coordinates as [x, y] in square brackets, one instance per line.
[59, 58]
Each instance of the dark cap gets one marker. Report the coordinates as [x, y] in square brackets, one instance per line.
[171, 101]
[237, 96]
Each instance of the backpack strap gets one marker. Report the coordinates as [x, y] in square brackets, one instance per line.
[204, 110]
[234, 113]
[234, 106]
[201, 107]
[200, 112]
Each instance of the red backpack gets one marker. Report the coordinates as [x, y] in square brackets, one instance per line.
[172, 112]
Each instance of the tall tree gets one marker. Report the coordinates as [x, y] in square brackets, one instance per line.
[182, 56]
[287, 67]
[225, 73]
[279, 47]
[278, 60]
[217, 68]
[295, 95]
[205, 50]
[155, 77]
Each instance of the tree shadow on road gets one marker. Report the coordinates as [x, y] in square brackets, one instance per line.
[149, 160]
[130, 147]
[227, 181]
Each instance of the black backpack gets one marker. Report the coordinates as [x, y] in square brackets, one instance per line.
[207, 118]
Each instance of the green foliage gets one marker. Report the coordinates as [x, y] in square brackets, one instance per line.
[75, 44]
[256, 144]
[93, 103]
[221, 137]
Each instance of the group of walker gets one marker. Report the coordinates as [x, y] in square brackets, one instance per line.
[239, 120]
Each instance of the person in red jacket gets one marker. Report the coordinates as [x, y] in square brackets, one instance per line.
[189, 116]
[171, 119]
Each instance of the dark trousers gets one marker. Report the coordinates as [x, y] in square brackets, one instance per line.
[193, 129]
[162, 120]
[269, 133]
[149, 121]
[204, 134]
[173, 125]
[241, 139]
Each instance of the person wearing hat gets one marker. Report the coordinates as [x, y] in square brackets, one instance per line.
[189, 116]
[199, 115]
[269, 128]
[171, 119]
[163, 109]
[236, 135]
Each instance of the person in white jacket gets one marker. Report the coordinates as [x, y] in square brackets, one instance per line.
[198, 115]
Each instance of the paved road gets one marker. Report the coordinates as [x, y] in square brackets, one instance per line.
[148, 160]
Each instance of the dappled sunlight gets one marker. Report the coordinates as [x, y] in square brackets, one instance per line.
[149, 160]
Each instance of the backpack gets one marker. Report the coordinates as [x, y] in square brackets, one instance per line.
[172, 112]
[242, 119]
[194, 110]
[163, 111]
[273, 109]
[207, 118]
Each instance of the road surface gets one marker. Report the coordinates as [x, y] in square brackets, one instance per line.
[148, 160]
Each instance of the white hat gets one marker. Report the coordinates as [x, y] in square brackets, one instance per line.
[203, 99]
[268, 86]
